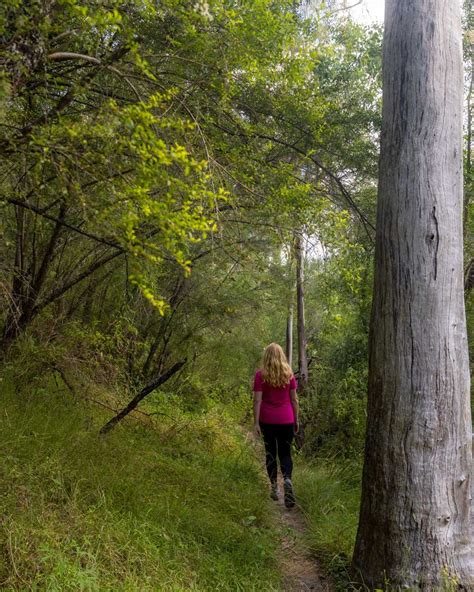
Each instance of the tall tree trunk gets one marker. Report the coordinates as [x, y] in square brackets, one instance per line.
[415, 510]
[289, 335]
[468, 172]
[302, 357]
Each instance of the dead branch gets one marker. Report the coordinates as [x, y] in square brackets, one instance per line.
[153, 385]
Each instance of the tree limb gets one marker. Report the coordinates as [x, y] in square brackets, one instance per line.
[141, 395]
[42, 212]
[55, 294]
[368, 226]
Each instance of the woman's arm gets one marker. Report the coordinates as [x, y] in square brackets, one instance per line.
[257, 401]
[295, 405]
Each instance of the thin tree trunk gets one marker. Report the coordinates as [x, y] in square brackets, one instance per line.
[176, 299]
[289, 318]
[14, 327]
[289, 335]
[300, 322]
[18, 279]
[27, 284]
[414, 524]
[141, 395]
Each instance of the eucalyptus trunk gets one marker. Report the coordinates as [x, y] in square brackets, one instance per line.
[414, 529]
[300, 321]
[289, 335]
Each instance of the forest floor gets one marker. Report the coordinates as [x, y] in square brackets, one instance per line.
[299, 566]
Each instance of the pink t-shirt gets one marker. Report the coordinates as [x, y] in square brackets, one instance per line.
[276, 404]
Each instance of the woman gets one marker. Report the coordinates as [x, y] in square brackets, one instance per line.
[275, 412]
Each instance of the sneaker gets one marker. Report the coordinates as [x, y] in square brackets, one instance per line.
[275, 492]
[289, 494]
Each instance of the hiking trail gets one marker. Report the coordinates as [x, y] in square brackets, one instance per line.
[300, 566]
[301, 570]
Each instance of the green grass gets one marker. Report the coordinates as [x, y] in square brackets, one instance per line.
[329, 494]
[181, 507]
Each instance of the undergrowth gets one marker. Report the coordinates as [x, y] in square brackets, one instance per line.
[178, 506]
[329, 494]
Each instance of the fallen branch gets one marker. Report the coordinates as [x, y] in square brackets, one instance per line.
[141, 395]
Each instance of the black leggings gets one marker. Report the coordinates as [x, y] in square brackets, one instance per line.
[277, 438]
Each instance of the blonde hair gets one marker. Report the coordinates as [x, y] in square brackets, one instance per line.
[275, 368]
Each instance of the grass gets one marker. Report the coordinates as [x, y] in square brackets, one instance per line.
[181, 507]
[329, 494]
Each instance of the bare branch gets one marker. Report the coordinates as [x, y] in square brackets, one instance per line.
[67, 55]
[41, 212]
[142, 394]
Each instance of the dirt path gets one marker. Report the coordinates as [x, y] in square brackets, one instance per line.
[301, 568]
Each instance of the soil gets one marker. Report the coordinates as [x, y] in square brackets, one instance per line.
[301, 569]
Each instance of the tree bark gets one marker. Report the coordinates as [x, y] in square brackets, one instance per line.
[300, 322]
[289, 335]
[141, 395]
[468, 171]
[415, 511]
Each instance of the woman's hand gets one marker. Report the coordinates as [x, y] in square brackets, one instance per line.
[257, 401]
[295, 405]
